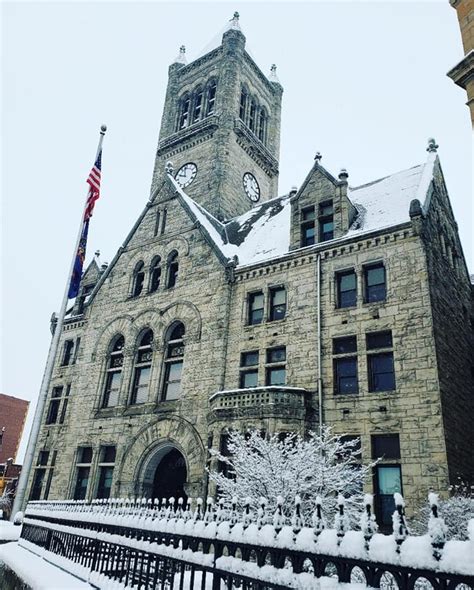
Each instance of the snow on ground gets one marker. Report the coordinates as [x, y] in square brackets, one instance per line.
[36, 572]
[8, 531]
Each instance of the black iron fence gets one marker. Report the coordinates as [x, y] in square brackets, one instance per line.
[141, 545]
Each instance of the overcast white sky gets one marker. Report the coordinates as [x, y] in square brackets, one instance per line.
[365, 84]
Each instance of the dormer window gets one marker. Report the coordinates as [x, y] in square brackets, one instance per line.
[307, 226]
[326, 221]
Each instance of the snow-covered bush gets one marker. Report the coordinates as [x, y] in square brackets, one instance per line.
[455, 511]
[323, 465]
[6, 501]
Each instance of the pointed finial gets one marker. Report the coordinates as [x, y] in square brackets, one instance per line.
[169, 168]
[97, 253]
[432, 145]
[103, 129]
[318, 157]
[234, 22]
[236, 16]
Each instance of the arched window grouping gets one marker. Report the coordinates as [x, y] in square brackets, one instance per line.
[141, 368]
[253, 115]
[113, 376]
[173, 363]
[195, 106]
[155, 274]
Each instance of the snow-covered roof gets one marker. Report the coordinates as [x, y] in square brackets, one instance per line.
[263, 232]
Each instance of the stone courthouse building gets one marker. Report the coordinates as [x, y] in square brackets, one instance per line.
[228, 306]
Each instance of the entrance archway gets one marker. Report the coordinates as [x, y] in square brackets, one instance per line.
[170, 476]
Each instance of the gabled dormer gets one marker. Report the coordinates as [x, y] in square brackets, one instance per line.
[320, 210]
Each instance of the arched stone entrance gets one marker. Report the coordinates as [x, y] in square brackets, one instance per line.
[170, 449]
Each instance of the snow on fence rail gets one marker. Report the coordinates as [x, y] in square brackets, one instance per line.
[137, 542]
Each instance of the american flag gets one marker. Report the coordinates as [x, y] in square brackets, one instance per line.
[93, 180]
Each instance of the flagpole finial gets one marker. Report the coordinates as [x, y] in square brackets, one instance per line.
[103, 129]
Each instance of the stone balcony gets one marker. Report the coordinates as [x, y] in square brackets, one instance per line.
[259, 402]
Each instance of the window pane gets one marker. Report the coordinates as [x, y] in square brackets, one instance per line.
[248, 379]
[278, 296]
[255, 308]
[140, 387]
[345, 375]
[276, 376]
[85, 455]
[375, 285]
[43, 457]
[327, 230]
[379, 340]
[35, 493]
[308, 235]
[112, 388]
[381, 375]
[375, 275]
[173, 380]
[57, 392]
[276, 355]
[346, 289]
[173, 390]
[249, 359]
[387, 446]
[105, 482]
[326, 208]
[307, 214]
[108, 454]
[344, 345]
[53, 411]
[81, 483]
[389, 480]
[348, 281]
[174, 373]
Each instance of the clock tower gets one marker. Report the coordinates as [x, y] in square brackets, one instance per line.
[221, 128]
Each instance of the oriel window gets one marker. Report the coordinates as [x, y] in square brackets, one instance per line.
[113, 377]
[277, 303]
[174, 363]
[255, 308]
[142, 370]
[346, 289]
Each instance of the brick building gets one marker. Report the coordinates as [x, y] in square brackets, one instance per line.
[229, 306]
[13, 411]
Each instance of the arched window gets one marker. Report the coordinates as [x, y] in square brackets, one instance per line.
[138, 279]
[197, 105]
[243, 104]
[262, 125]
[211, 98]
[183, 120]
[155, 274]
[173, 267]
[114, 373]
[173, 362]
[141, 372]
[252, 115]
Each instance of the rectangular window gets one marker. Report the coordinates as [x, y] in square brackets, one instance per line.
[106, 471]
[157, 223]
[345, 365]
[76, 350]
[112, 389]
[277, 303]
[255, 308]
[375, 283]
[43, 457]
[65, 404]
[83, 467]
[307, 226]
[50, 475]
[37, 486]
[141, 380]
[248, 376]
[386, 446]
[275, 372]
[67, 352]
[53, 408]
[388, 481]
[172, 385]
[346, 289]
[326, 221]
[380, 365]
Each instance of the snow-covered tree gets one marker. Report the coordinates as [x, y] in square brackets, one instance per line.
[5, 503]
[321, 466]
[455, 511]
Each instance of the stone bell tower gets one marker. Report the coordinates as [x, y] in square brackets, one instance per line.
[221, 127]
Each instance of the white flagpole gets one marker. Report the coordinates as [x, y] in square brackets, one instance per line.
[48, 371]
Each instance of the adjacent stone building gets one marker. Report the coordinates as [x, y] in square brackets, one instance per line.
[229, 306]
[463, 72]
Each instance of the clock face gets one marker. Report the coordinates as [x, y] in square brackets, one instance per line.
[186, 174]
[251, 187]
